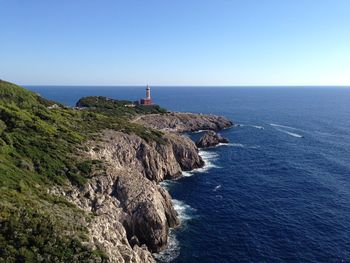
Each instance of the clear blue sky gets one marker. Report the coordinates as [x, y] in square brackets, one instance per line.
[178, 42]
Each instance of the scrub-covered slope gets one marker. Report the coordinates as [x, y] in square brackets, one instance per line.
[35, 148]
[38, 149]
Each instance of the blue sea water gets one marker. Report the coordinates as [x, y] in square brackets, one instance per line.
[279, 192]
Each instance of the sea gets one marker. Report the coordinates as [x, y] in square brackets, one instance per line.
[278, 192]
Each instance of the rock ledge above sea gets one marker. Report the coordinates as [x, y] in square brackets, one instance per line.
[184, 122]
[210, 139]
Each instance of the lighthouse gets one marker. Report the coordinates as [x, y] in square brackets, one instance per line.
[148, 93]
[147, 100]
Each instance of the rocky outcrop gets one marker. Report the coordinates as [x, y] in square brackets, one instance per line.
[210, 139]
[185, 151]
[106, 227]
[150, 211]
[184, 122]
[132, 214]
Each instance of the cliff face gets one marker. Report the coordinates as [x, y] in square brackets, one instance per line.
[107, 228]
[185, 151]
[184, 122]
[153, 160]
[132, 213]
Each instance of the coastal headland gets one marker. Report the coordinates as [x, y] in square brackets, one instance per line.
[82, 184]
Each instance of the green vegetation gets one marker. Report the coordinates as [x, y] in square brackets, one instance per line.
[38, 149]
[117, 107]
[31, 230]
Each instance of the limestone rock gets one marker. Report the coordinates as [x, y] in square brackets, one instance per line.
[150, 210]
[185, 151]
[184, 122]
[153, 160]
[210, 139]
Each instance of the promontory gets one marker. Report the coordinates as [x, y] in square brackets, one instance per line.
[81, 184]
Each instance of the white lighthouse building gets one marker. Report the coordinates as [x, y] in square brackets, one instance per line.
[147, 100]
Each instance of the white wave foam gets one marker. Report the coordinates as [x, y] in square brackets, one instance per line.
[226, 144]
[199, 131]
[217, 187]
[184, 210]
[253, 126]
[254, 147]
[165, 184]
[185, 213]
[291, 133]
[284, 126]
[237, 145]
[223, 144]
[208, 155]
[208, 158]
[229, 144]
[186, 174]
[171, 252]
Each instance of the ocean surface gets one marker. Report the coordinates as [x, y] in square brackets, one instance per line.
[278, 192]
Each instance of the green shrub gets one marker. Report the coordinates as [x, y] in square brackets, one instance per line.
[31, 236]
[2, 126]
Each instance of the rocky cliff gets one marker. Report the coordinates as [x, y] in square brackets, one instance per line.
[132, 213]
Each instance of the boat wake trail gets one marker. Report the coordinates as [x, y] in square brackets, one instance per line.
[230, 144]
[284, 126]
[238, 145]
[257, 127]
[290, 133]
[253, 126]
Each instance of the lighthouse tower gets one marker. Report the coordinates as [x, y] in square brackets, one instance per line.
[148, 93]
[147, 100]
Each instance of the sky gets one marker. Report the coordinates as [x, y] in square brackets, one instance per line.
[175, 42]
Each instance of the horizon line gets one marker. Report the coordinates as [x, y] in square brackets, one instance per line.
[185, 85]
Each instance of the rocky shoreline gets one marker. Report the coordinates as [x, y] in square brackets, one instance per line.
[132, 213]
[210, 139]
[181, 122]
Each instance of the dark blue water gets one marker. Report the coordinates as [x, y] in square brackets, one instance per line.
[279, 193]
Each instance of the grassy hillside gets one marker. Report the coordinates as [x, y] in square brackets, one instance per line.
[38, 149]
